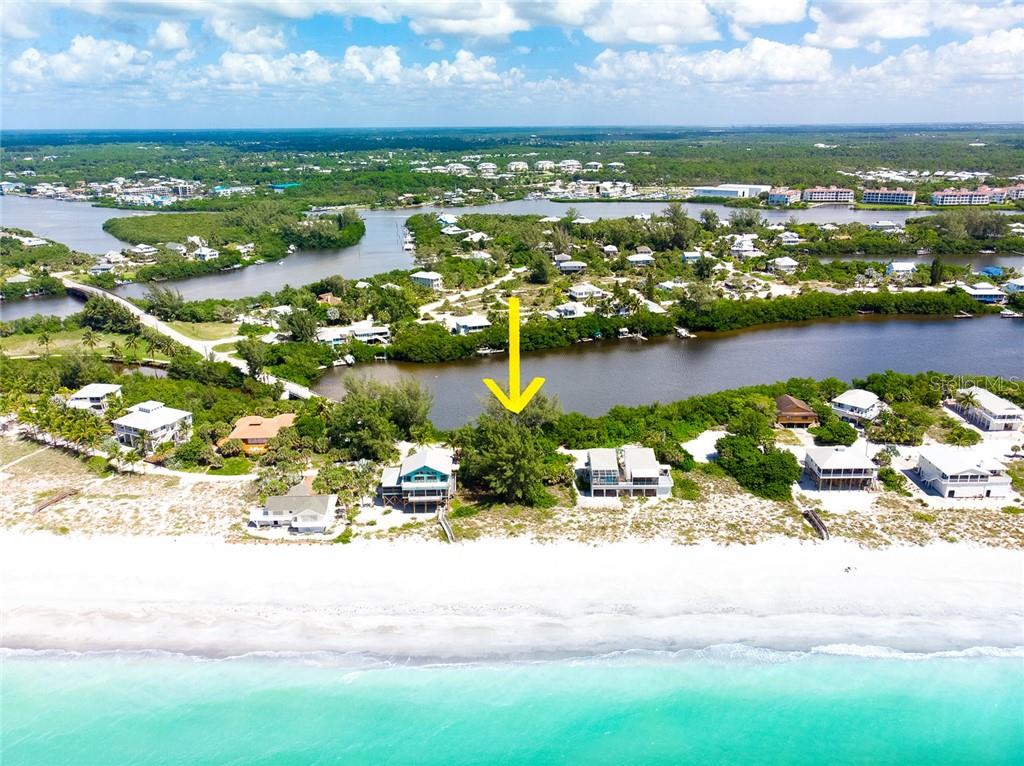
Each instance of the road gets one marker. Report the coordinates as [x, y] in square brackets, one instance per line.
[204, 347]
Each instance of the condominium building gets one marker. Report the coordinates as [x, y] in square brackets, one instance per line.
[630, 471]
[961, 197]
[897, 196]
[827, 194]
[783, 196]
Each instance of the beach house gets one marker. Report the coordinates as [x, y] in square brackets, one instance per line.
[468, 325]
[641, 260]
[790, 238]
[299, 510]
[958, 472]
[95, 397]
[255, 431]
[839, 468]
[423, 483]
[569, 310]
[791, 412]
[783, 265]
[429, 279]
[630, 471]
[856, 405]
[983, 292]
[988, 411]
[571, 267]
[147, 425]
[900, 269]
[585, 291]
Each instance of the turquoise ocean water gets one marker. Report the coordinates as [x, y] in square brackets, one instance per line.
[725, 705]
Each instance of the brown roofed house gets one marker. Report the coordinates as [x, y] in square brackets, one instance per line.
[254, 431]
[328, 299]
[794, 413]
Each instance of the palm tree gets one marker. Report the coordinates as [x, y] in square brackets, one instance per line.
[966, 400]
[44, 340]
[115, 350]
[90, 339]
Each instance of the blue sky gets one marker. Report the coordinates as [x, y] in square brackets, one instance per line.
[364, 63]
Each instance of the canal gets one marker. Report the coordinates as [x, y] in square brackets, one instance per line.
[593, 377]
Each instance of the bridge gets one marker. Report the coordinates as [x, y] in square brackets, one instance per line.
[205, 348]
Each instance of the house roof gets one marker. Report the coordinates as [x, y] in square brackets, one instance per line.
[438, 459]
[256, 427]
[839, 457]
[992, 403]
[149, 416]
[603, 459]
[640, 463]
[322, 504]
[785, 261]
[857, 397]
[954, 460]
[787, 404]
[426, 275]
[473, 320]
[96, 391]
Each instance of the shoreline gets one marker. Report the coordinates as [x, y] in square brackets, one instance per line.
[501, 600]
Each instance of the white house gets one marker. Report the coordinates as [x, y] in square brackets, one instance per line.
[956, 472]
[839, 468]
[857, 405]
[783, 265]
[95, 397]
[731, 190]
[468, 325]
[630, 471]
[887, 227]
[365, 331]
[429, 279]
[517, 167]
[1014, 286]
[150, 424]
[990, 412]
[569, 310]
[584, 291]
[900, 269]
[641, 260]
[452, 230]
[206, 254]
[789, 238]
[144, 250]
[983, 292]
[299, 511]
[571, 267]
[610, 250]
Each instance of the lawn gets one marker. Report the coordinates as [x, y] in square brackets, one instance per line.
[70, 340]
[206, 330]
[233, 466]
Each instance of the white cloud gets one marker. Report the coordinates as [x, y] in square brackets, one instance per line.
[256, 69]
[374, 64]
[991, 58]
[434, 44]
[759, 61]
[21, 20]
[170, 36]
[657, 23]
[846, 23]
[87, 61]
[465, 68]
[258, 39]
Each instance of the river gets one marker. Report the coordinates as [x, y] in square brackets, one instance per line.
[79, 225]
[593, 377]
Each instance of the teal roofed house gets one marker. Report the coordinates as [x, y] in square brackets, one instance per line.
[423, 483]
[279, 188]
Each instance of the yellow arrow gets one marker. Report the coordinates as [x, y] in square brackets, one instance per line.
[516, 399]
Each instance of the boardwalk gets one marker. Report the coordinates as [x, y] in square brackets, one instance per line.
[291, 390]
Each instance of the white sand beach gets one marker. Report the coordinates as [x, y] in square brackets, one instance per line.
[500, 598]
